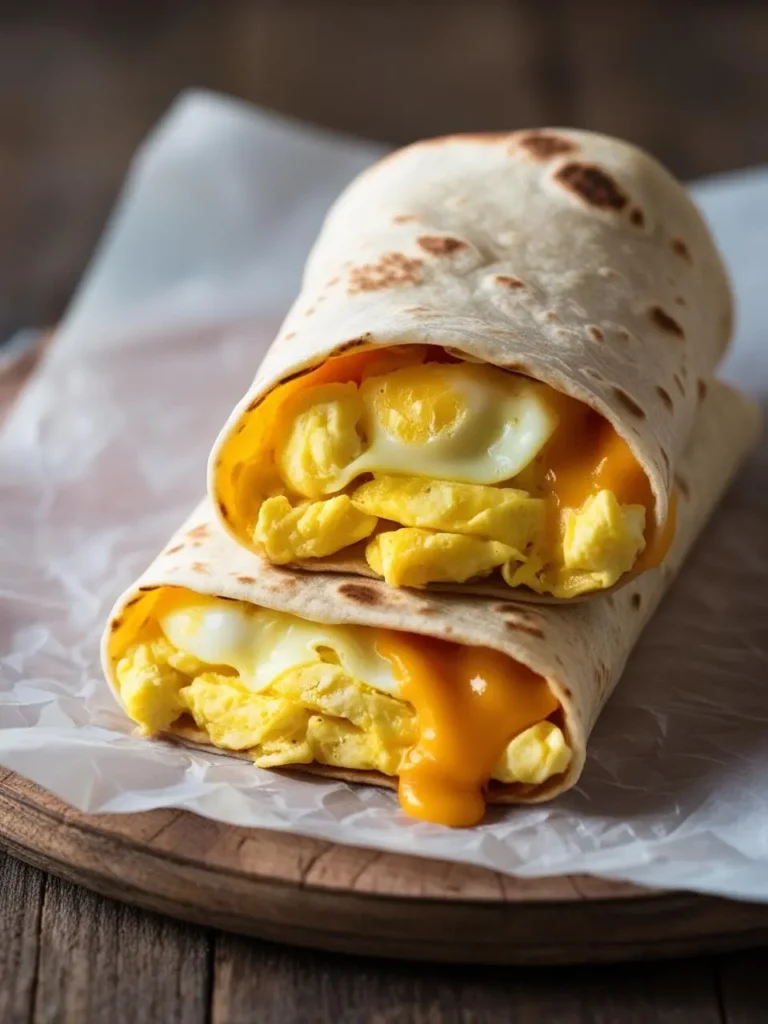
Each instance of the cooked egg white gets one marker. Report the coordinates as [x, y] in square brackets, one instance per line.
[289, 691]
[454, 421]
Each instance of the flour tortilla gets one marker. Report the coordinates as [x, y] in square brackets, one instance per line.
[580, 650]
[569, 257]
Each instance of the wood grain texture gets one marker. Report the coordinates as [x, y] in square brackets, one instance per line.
[102, 961]
[21, 895]
[293, 889]
[315, 988]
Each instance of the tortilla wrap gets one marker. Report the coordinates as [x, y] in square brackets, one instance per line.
[580, 650]
[565, 256]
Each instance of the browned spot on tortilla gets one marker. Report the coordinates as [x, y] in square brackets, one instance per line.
[509, 281]
[679, 246]
[115, 624]
[592, 184]
[682, 486]
[131, 603]
[332, 282]
[636, 601]
[427, 609]
[199, 567]
[629, 403]
[289, 335]
[173, 550]
[596, 334]
[594, 374]
[506, 608]
[422, 311]
[665, 457]
[637, 217]
[624, 335]
[146, 590]
[404, 218]
[440, 245]
[680, 301]
[525, 627]
[246, 579]
[224, 512]
[360, 342]
[566, 689]
[701, 387]
[680, 385]
[360, 592]
[392, 270]
[666, 322]
[223, 597]
[240, 427]
[200, 531]
[546, 145]
[665, 396]
[552, 317]
[310, 311]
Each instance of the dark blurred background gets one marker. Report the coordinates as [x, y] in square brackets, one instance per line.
[82, 81]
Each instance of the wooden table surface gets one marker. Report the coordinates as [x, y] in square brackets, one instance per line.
[80, 84]
[67, 955]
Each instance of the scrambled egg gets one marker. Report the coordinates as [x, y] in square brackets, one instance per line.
[412, 558]
[313, 712]
[494, 513]
[603, 538]
[454, 453]
[310, 530]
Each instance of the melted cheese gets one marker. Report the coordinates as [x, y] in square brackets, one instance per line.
[470, 702]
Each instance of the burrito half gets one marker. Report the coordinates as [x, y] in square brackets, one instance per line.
[489, 376]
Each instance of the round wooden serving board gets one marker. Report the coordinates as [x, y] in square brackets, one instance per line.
[312, 893]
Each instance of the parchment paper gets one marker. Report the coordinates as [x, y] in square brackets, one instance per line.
[105, 453]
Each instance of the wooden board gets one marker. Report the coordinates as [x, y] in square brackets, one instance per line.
[312, 893]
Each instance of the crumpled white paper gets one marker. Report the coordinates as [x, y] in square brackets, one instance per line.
[105, 453]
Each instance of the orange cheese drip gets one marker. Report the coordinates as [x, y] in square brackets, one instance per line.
[586, 455]
[470, 702]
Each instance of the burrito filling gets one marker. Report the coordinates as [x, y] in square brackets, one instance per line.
[444, 471]
[443, 717]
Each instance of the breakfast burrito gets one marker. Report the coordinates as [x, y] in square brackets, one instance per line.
[455, 698]
[489, 375]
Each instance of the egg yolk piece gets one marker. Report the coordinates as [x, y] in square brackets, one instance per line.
[444, 717]
[485, 472]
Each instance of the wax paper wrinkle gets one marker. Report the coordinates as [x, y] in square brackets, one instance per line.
[105, 454]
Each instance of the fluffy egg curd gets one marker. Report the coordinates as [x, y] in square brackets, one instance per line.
[445, 471]
[445, 718]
